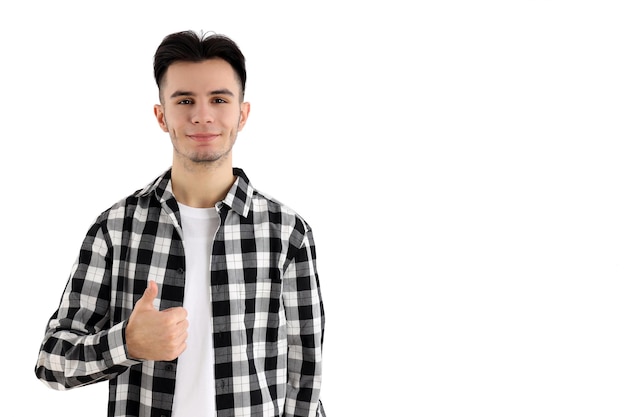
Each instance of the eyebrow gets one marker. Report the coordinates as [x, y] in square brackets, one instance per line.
[223, 91]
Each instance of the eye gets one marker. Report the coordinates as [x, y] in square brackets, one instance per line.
[219, 100]
[185, 101]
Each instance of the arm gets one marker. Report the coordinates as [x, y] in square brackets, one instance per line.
[79, 346]
[305, 330]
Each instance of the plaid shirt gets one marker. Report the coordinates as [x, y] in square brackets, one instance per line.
[268, 318]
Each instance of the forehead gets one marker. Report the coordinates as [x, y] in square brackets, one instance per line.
[208, 74]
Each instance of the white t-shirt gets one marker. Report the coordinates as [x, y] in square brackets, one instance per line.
[194, 395]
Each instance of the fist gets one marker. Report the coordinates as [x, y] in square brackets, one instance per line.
[156, 335]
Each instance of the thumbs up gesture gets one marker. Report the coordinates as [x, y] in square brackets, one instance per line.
[156, 335]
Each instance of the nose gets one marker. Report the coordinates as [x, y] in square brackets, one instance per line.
[203, 114]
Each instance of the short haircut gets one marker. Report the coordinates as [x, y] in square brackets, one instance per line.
[189, 46]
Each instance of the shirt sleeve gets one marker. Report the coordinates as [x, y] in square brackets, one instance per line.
[305, 332]
[80, 346]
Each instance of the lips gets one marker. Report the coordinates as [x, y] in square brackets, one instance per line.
[203, 137]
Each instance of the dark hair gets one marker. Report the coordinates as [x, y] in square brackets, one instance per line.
[190, 46]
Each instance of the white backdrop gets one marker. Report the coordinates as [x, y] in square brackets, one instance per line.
[461, 164]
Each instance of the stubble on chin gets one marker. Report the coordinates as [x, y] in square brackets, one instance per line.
[203, 160]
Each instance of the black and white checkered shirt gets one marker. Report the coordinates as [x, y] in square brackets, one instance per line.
[268, 318]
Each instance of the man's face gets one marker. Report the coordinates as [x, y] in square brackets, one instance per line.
[201, 109]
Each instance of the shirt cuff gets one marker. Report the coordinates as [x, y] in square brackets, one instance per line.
[116, 339]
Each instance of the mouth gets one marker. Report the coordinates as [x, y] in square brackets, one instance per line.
[203, 137]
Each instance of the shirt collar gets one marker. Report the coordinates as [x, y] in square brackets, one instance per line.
[239, 197]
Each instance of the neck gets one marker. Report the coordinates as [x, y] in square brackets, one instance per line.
[201, 186]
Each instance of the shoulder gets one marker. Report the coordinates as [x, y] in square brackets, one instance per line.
[278, 212]
[260, 207]
[132, 205]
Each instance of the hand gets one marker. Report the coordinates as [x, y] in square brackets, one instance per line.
[156, 335]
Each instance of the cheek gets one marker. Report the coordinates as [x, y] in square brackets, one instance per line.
[240, 122]
[170, 120]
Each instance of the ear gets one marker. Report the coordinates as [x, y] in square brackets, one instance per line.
[243, 115]
[160, 116]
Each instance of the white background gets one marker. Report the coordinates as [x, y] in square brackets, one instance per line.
[462, 164]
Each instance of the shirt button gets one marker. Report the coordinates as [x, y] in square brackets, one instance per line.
[169, 367]
[180, 271]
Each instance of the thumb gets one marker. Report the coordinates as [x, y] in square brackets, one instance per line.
[147, 299]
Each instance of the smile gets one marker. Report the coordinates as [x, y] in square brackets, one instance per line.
[204, 137]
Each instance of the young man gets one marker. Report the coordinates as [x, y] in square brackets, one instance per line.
[196, 295]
